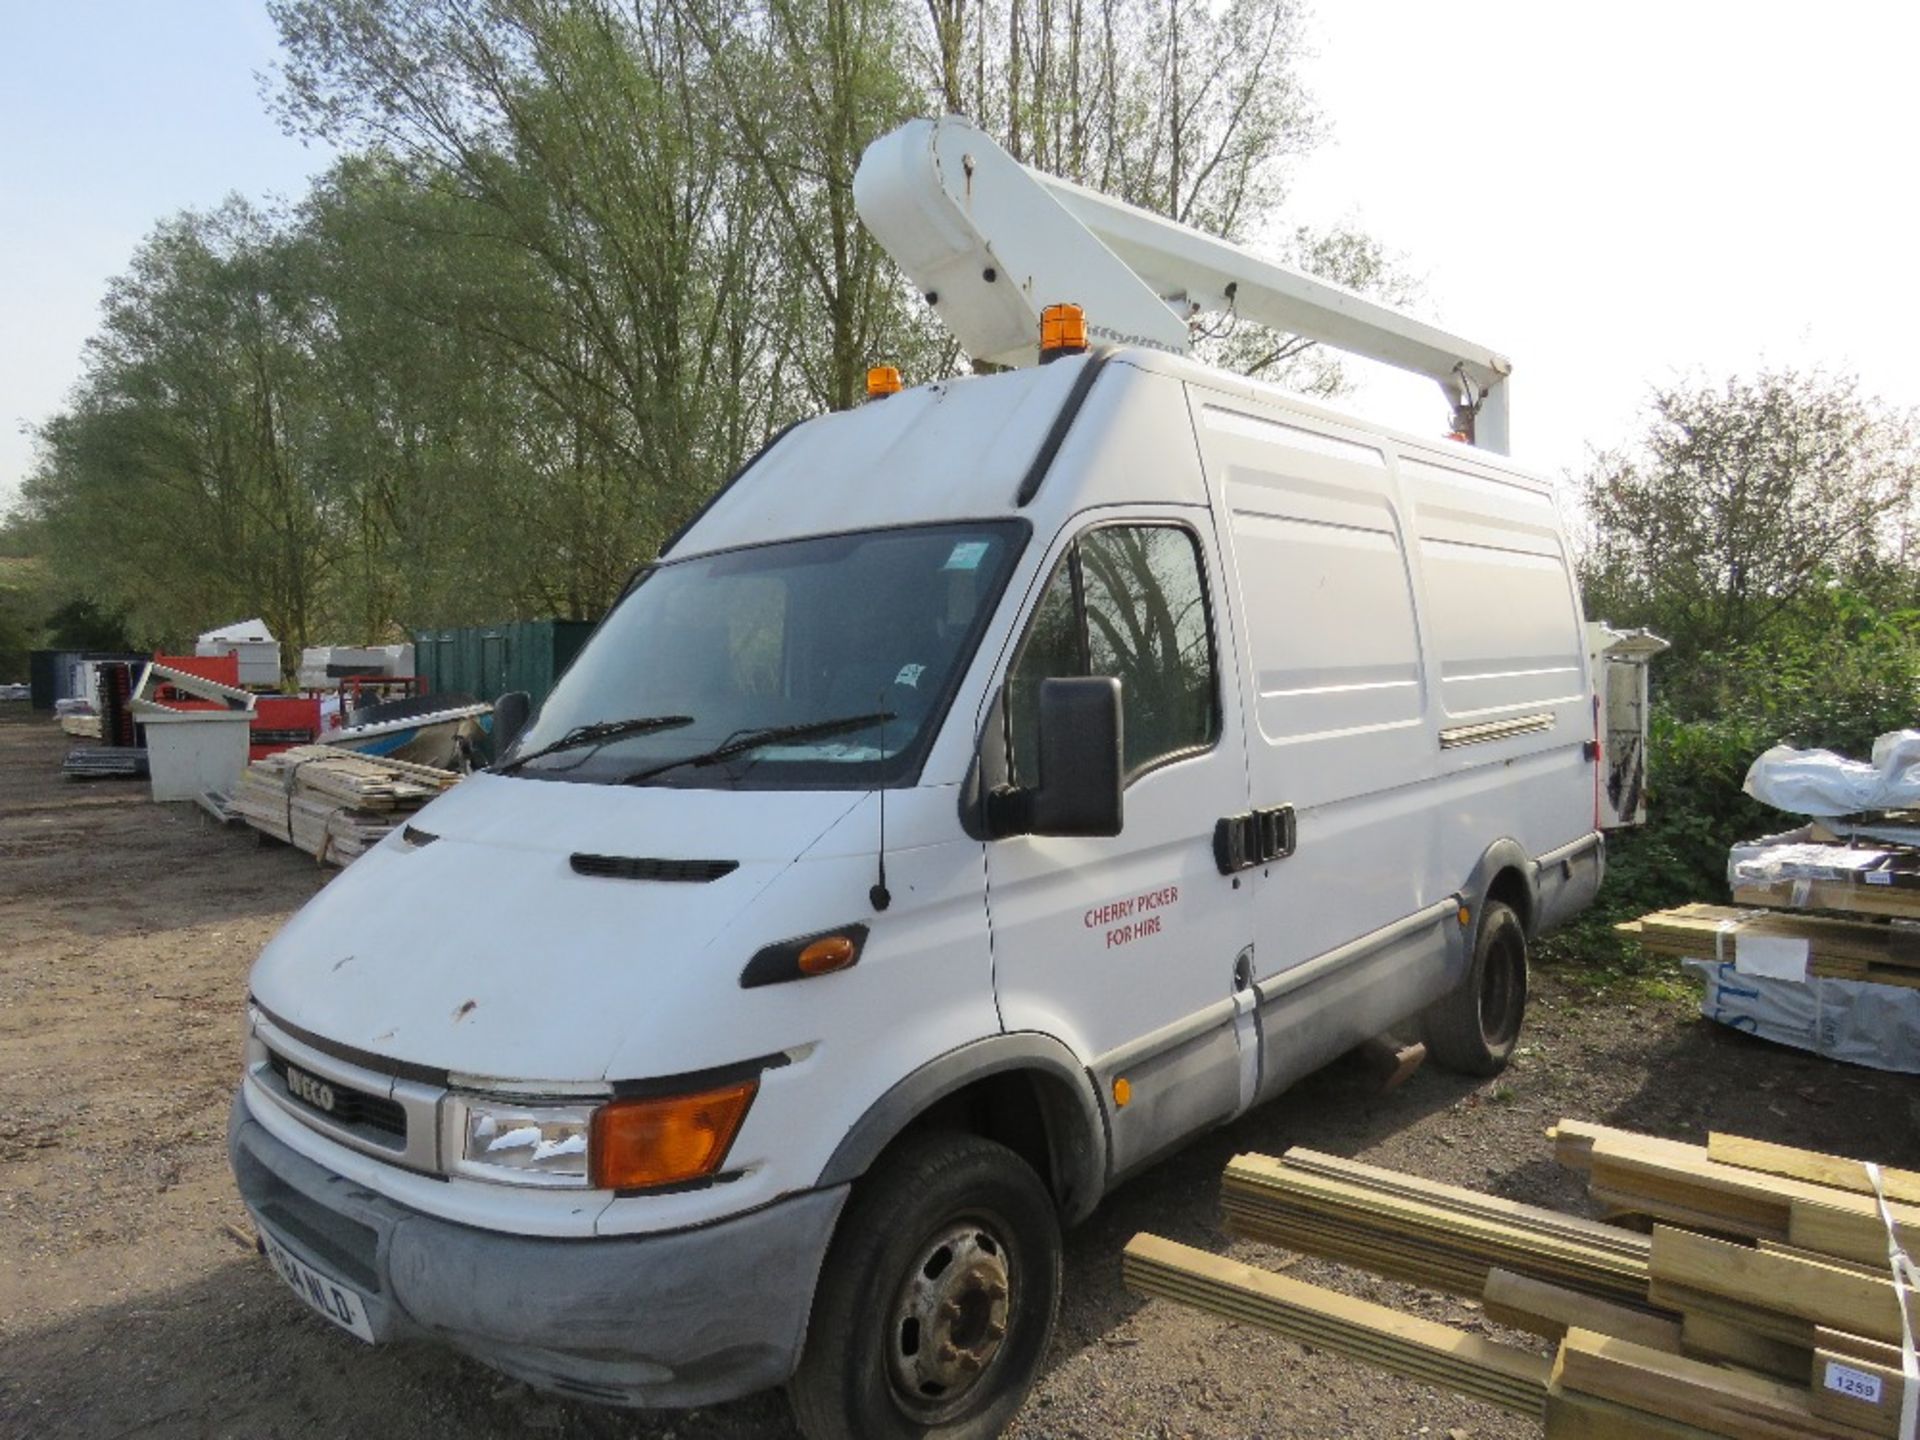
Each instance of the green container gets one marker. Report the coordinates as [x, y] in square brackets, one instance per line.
[486, 661]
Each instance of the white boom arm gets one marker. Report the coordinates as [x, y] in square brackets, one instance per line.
[992, 243]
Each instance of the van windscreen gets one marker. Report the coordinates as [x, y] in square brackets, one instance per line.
[819, 663]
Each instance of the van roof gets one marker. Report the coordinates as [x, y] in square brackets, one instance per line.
[957, 449]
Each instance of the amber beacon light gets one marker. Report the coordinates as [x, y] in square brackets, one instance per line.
[882, 381]
[1063, 331]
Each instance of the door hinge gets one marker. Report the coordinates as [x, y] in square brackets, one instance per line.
[1254, 837]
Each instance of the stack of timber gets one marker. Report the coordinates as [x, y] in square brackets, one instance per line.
[334, 804]
[1762, 1303]
[1816, 868]
[1425, 1233]
[1878, 952]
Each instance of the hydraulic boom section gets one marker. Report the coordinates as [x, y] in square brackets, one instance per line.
[991, 243]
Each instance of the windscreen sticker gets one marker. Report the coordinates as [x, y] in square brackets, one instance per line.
[967, 555]
[910, 675]
[1134, 915]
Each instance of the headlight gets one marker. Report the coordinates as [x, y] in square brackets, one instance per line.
[640, 1143]
[523, 1144]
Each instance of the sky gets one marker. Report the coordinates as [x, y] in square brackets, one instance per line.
[113, 115]
[1612, 196]
[1622, 195]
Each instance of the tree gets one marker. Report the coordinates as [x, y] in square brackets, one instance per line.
[1742, 504]
[181, 484]
[1194, 111]
[577, 262]
[581, 140]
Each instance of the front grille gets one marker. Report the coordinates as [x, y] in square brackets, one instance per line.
[623, 867]
[352, 1108]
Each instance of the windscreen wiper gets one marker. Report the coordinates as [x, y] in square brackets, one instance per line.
[598, 733]
[754, 739]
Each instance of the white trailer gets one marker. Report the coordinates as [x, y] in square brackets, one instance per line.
[992, 788]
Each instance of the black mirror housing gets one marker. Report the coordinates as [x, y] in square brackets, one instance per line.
[510, 715]
[1082, 780]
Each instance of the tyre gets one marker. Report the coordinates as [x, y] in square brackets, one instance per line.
[937, 1300]
[1474, 1030]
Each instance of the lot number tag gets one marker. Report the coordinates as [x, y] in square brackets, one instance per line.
[1855, 1384]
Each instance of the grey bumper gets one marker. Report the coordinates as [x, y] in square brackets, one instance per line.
[686, 1318]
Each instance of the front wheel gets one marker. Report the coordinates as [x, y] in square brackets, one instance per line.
[937, 1300]
[1474, 1030]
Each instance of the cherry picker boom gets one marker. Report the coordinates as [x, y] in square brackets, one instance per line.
[991, 243]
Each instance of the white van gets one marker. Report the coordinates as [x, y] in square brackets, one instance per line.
[996, 786]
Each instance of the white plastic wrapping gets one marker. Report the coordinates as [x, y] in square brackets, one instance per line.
[1819, 782]
[1796, 855]
[1849, 1020]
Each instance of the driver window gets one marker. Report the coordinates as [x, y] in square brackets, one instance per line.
[1054, 646]
[1127, 601]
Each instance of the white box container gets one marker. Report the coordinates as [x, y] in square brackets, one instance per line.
[252, 643]
[190, 752]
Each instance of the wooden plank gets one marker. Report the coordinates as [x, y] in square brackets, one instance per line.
[1451, 1197]
[1819, 1294]
[1711, 1397]
[1573, 1142]
[1570, 1415]
[1738, 1203]
[1709, 1337]
[1258, 1182]
[1849, 1231]
[1515, 1379]
[1835, 1171]
[1775, 1247]
[1887, 900]
[1844, 1342]
[1787, 1329]
[1550, 1311]
[1622, 1204]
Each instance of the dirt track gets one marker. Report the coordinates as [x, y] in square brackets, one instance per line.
[131, 1302]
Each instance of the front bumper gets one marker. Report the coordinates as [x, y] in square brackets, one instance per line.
[689, 1317]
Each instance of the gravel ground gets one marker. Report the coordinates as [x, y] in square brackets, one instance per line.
[132, 1303]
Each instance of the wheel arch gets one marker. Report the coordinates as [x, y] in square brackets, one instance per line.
[1027, 1091]
[1505, 873]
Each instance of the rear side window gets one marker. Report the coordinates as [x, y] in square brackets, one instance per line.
[1127, 601]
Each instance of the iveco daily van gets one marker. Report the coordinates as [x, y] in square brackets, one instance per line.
[997, 785]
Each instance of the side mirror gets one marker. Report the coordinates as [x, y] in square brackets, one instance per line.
[1081, 770]
[510, 713]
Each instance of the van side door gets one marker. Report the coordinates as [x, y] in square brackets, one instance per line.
[1126, 947]
[1352, 933]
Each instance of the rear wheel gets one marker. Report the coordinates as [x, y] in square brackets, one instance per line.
[1475, 1029]
[937, 1301]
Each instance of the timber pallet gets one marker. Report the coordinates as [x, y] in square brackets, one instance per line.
[334, 804]
[1878, 951]
[1761, 1304]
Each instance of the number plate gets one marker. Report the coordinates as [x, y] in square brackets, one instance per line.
[329, 1297]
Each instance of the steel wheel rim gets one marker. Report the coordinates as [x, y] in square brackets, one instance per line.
[1503, 989]
[948, 1325]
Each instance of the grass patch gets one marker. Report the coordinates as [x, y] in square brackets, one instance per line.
[1595, 958]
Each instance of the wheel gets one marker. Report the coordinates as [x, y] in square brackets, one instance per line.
[1473, 1030]
[937, 1300]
